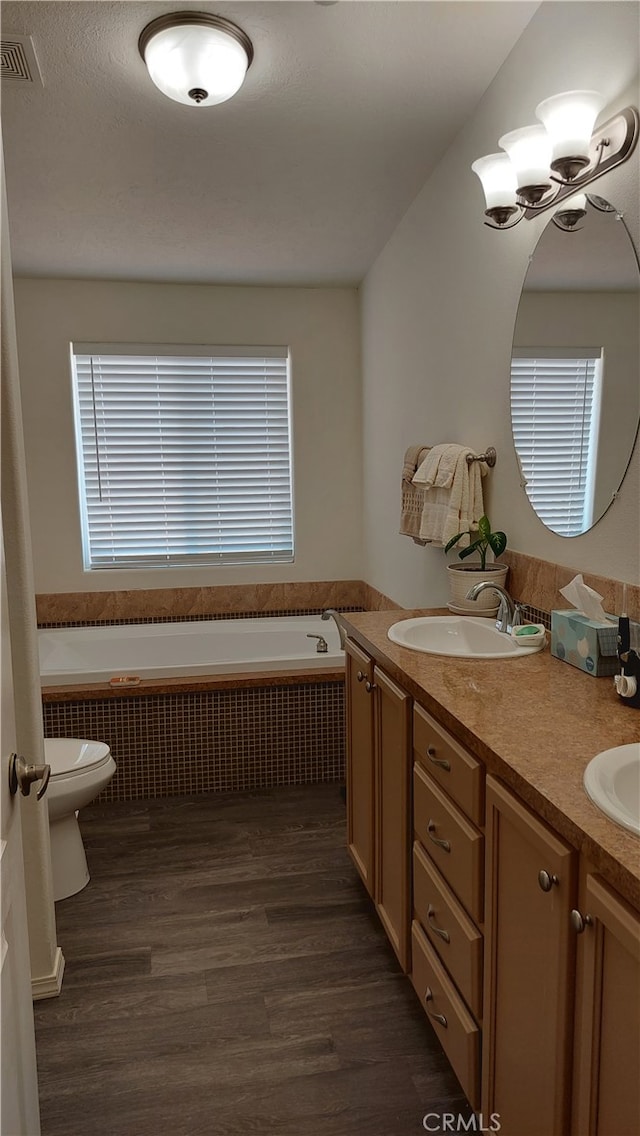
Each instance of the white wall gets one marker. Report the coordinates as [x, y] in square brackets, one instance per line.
[321, 326]
[439, 306]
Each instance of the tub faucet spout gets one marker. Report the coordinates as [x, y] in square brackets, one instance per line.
[509, 612]
[331, 613]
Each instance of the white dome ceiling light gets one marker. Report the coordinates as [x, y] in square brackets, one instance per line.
[195, 58]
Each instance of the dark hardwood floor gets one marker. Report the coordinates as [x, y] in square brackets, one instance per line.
[226, 974]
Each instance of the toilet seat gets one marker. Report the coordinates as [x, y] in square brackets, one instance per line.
[71, 757]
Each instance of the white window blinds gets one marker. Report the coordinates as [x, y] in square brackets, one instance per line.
[184, 455]
[555, 410]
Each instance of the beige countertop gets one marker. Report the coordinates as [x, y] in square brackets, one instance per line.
[535, 722]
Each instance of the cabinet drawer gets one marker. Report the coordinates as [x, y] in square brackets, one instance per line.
[458, 1033]
[449, 929]
[455, 770]
[454, 845]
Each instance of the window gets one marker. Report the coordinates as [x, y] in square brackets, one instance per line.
[555, 412]
[183, 455]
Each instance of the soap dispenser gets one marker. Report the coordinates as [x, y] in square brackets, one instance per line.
[627, 683]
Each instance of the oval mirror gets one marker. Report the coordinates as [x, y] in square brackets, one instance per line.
[575, 391]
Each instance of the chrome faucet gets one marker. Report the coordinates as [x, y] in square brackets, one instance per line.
[331, 613]
[322, 646]
[509, 612]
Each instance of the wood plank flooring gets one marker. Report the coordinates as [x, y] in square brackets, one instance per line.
[226, 974]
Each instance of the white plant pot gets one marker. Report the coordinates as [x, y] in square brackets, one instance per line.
[462, 577]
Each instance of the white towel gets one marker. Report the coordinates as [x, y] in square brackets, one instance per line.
[452, 501]
[438, 468]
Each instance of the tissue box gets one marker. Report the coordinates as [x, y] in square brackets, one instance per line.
[588, 644]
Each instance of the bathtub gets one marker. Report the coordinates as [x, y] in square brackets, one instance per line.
[75, 655]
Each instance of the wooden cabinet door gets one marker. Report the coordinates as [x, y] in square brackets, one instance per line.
[360, 760]
[607, 1053]
[392, 813]
[529, 970]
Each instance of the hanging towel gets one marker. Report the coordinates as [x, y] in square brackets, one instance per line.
[412, 495]
[453, 500]
[438, 468]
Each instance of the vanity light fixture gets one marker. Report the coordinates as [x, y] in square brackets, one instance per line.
[196, 58]
[550, 162]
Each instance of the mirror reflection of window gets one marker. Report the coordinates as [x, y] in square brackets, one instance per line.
[583, 288]
[555, 407]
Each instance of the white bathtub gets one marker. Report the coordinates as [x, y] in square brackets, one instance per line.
[74, 655]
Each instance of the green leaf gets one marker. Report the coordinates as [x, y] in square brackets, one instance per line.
[498, 542]
[454, 540]
[468, 551]
[484, 527]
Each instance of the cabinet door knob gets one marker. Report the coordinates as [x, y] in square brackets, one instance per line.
[547, 880]
[436, 930]
[431, 827]
[436, 1017]
[441, 762]
[580, 922]
[369, 686]
[360, 676]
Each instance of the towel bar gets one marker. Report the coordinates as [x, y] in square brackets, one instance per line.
[489, 456]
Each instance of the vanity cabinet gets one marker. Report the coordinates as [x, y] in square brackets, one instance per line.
[378, 792]
[531, 878]
[606, 1099]
[525, 960]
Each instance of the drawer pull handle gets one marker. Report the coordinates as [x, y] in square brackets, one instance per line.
[546, 880]
[436, 1017]
[436, 930]
[431, 827]
[441, 762]
[369, 686]
[360, 676]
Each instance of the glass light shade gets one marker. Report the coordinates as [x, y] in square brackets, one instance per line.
[577, 202]
[569, 119]
[498, 180]
[195, 58]
[529, 151]
[570, 212]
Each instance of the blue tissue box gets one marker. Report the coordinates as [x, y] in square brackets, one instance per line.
[588, 644]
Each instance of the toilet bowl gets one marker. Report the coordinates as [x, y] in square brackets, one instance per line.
[80, 770]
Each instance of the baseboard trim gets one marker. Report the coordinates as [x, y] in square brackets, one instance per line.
[49, 985]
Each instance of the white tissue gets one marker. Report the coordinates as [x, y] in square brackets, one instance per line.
[584, 599]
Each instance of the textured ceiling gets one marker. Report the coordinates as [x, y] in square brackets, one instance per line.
[300, 179]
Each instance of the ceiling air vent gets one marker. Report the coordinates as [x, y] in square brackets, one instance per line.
[18, 63]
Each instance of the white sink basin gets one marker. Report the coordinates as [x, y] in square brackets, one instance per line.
[464, 637]
[612, 780]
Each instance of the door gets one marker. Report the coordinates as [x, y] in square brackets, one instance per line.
[529, 970]
[607, 1058]
[360, 761]
[392, 843]
[19, 1112]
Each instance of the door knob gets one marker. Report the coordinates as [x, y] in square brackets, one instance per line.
[22, 776]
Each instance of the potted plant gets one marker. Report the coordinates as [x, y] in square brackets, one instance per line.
[463, 576]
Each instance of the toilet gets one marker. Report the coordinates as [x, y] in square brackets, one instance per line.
[80, 770]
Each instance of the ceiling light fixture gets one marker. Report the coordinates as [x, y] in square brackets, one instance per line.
[544, 164]
[195, 58]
